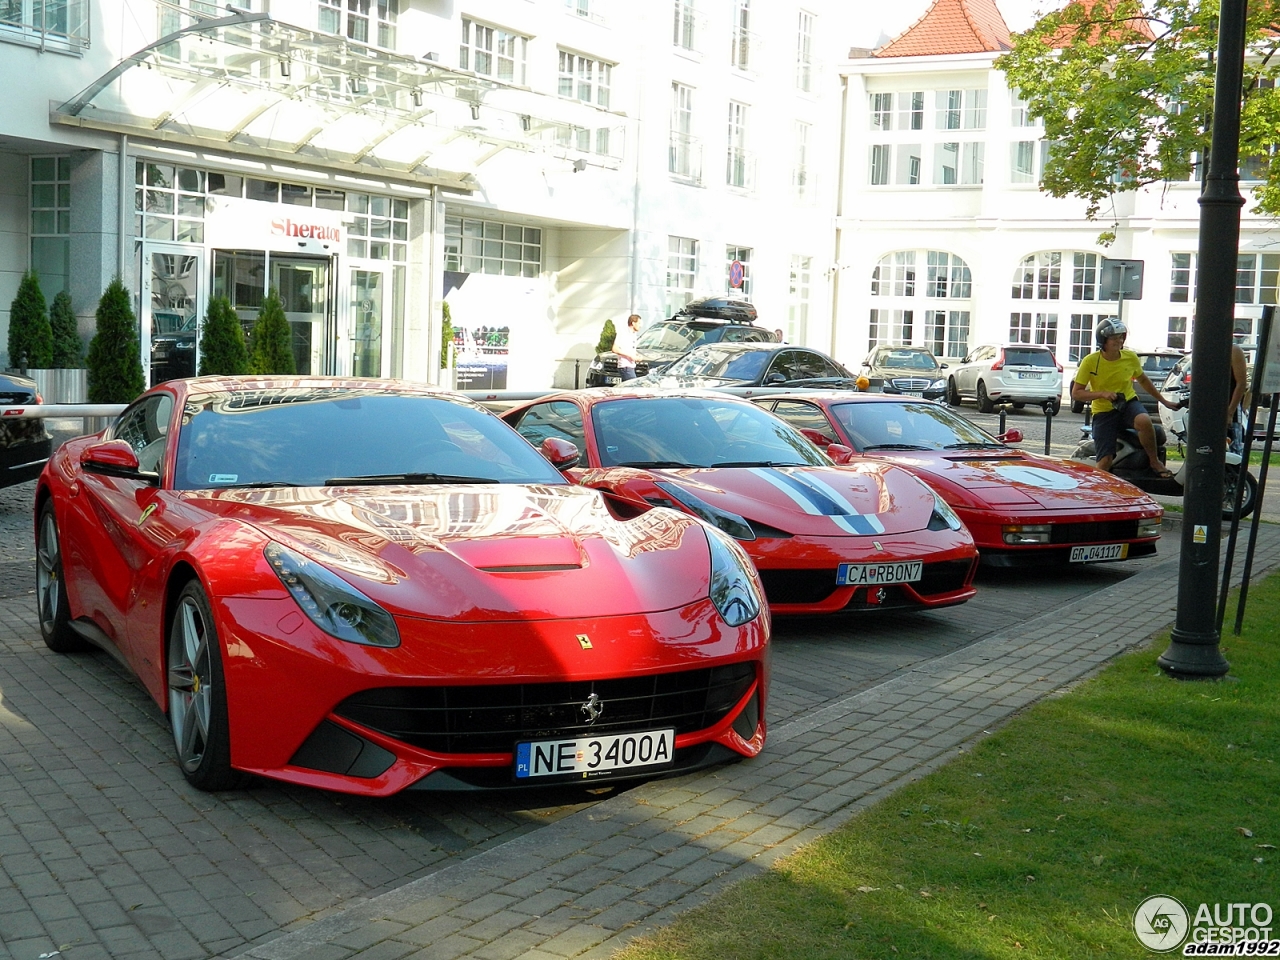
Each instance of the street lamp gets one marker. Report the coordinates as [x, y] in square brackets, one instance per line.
[1193, 649]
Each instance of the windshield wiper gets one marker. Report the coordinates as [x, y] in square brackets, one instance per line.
[760, 463]
[653, 463]
[974, 446]
[252, 484]
[895, 446]
[382, 479]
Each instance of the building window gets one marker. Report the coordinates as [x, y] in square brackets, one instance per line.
[798, 298]
[379, 229]
[51, 222]
[740, 37]
[1177, 336]
[493, 52]
[911, 110]
[1084, 276]
[879, 166]
[682, 34]
[685, 155]
[1039, 277]
[169, 202]
[1019, 112]
[958, 163]
[882, 111]
[363, 21]
[961, 109]
[1180, 281]
[584, 79]
[1081, 337]
[1256, 277]
[738, 172]
[948, 276]
[584, 8]
[61, 25]
[907, 171]
[947, 332]
[743, 256]
[1047, 330]
[891, 326]
[1020, 327]
[800, 176]
[1022, 161]
[805, 66]
[492, 247]
[682, 272]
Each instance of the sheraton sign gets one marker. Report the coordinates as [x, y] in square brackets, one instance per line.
[235, 223]
[285, 227]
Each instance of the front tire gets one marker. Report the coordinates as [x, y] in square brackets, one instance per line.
[953, 392]
[984, 402]
[51, 593]
[198, 695]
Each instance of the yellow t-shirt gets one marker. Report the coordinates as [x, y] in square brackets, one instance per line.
[1109, 376]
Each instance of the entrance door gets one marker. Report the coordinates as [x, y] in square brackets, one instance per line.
[303, 285]
[367, 288]
[171, 285]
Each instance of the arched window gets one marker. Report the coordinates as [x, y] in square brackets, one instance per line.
[923, 298]
[1064, 285]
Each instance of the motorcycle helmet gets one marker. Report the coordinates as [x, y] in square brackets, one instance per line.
[1111, 327]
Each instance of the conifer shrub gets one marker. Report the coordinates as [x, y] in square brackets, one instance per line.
[271, 343]
[68, 351]
[446, 336]
[30, 336]
[608, 334]
[114, 360]
[222, 348]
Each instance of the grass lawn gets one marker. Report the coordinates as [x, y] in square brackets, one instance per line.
[1042, 840]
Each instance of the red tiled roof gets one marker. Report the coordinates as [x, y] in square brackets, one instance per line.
[952, 26]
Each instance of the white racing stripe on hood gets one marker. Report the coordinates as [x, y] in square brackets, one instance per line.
[817, 498]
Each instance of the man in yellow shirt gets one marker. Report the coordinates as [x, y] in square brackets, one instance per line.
[1106, 377]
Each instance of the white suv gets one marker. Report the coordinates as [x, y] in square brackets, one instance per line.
[1017, 373]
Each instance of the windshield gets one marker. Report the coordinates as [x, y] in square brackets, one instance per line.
[726, 364]
[307, 436]
[908, 360]
[670, 336]
[906, 425]
[696, 432]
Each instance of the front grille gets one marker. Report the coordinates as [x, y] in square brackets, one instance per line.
[910, 383]
[609, 366]
[814, 586]
[492, 719]
[1093, 532]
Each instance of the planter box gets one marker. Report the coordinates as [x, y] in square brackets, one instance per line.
[62, 386]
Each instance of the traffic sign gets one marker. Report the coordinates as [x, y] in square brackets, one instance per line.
[735, 274]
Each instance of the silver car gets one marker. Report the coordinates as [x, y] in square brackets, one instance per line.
[1016, 373]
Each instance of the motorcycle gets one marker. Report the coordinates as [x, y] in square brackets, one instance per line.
[1131, 464]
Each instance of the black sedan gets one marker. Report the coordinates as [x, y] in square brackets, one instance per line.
[751, 365]
[905, 370]
[24, 444]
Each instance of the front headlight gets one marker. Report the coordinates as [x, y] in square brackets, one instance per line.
[944, 516]
[333, 605]
[1020, 534]
[1149, 527]
[733, 588]
[940, 384]
[732, 524]
[596, 364]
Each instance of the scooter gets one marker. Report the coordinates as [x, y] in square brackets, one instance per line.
[1131, 464]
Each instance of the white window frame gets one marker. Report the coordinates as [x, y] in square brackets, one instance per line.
[682, 272]
[584, 79]
[484, 48]
[804, 51]
[369, 22]
[738, 172]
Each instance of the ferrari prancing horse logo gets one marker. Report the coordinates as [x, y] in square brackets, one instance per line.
[584, 641]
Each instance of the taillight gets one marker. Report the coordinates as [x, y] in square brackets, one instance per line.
[1186, 378]
[999, 364]
[39, 399]
[1057, 364]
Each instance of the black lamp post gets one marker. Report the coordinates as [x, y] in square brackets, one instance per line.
[1193, 650]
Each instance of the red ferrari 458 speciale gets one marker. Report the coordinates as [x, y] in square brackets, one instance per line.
[369, 585]
[858, 536]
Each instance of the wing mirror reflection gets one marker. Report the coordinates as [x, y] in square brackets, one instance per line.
[816, 437]
[1012, 435]
[562, 454]
[839, 453]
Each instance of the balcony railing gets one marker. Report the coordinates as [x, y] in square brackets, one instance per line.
[740, 169]
[61, 25]
[685, 161]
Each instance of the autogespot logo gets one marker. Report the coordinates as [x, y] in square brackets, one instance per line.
[1160, 923]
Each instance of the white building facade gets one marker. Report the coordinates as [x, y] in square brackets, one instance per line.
[944, 239]
[539, 165]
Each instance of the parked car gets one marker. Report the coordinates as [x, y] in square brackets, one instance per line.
[368, 585]
[1156, 364]
[825, 538]
[750, 365]
[1016, 373]
[912, 371]
[1022, 509]
[709, 320]
[25, 445]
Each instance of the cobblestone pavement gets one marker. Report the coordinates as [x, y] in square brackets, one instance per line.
[106, 852]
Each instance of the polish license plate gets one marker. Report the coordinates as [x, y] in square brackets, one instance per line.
[592, 758]
[878, 574]
[1029, 375]
[612, 381]
[913, 393]
[1099, 551]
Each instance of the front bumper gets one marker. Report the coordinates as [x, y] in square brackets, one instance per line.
[1098, 527]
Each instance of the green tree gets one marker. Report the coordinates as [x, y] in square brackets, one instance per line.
[30, 336]
[222, 347]
[115, 360]
[271, 343]
[608, 333]
[68, 351]
[446, 336]
[1125, 90]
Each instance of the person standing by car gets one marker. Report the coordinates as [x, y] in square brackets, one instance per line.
[1106, 377]
[624, 346]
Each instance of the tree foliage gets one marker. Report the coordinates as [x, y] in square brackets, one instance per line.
[446, 336]
[222, 347]
[115, 360]
[30, 336]
[1125, 90]
[271, 343]
[68, 351]
[608, 334]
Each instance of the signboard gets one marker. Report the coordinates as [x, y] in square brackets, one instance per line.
[1120, 279]
[1267, 371]
[735, 274]
[237, 224]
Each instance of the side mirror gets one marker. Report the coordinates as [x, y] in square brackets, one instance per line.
[839, 453]
[114, 458]
[942, 366]
[562, 454]
[1012, 435]
[816, 437]
[774, 378]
